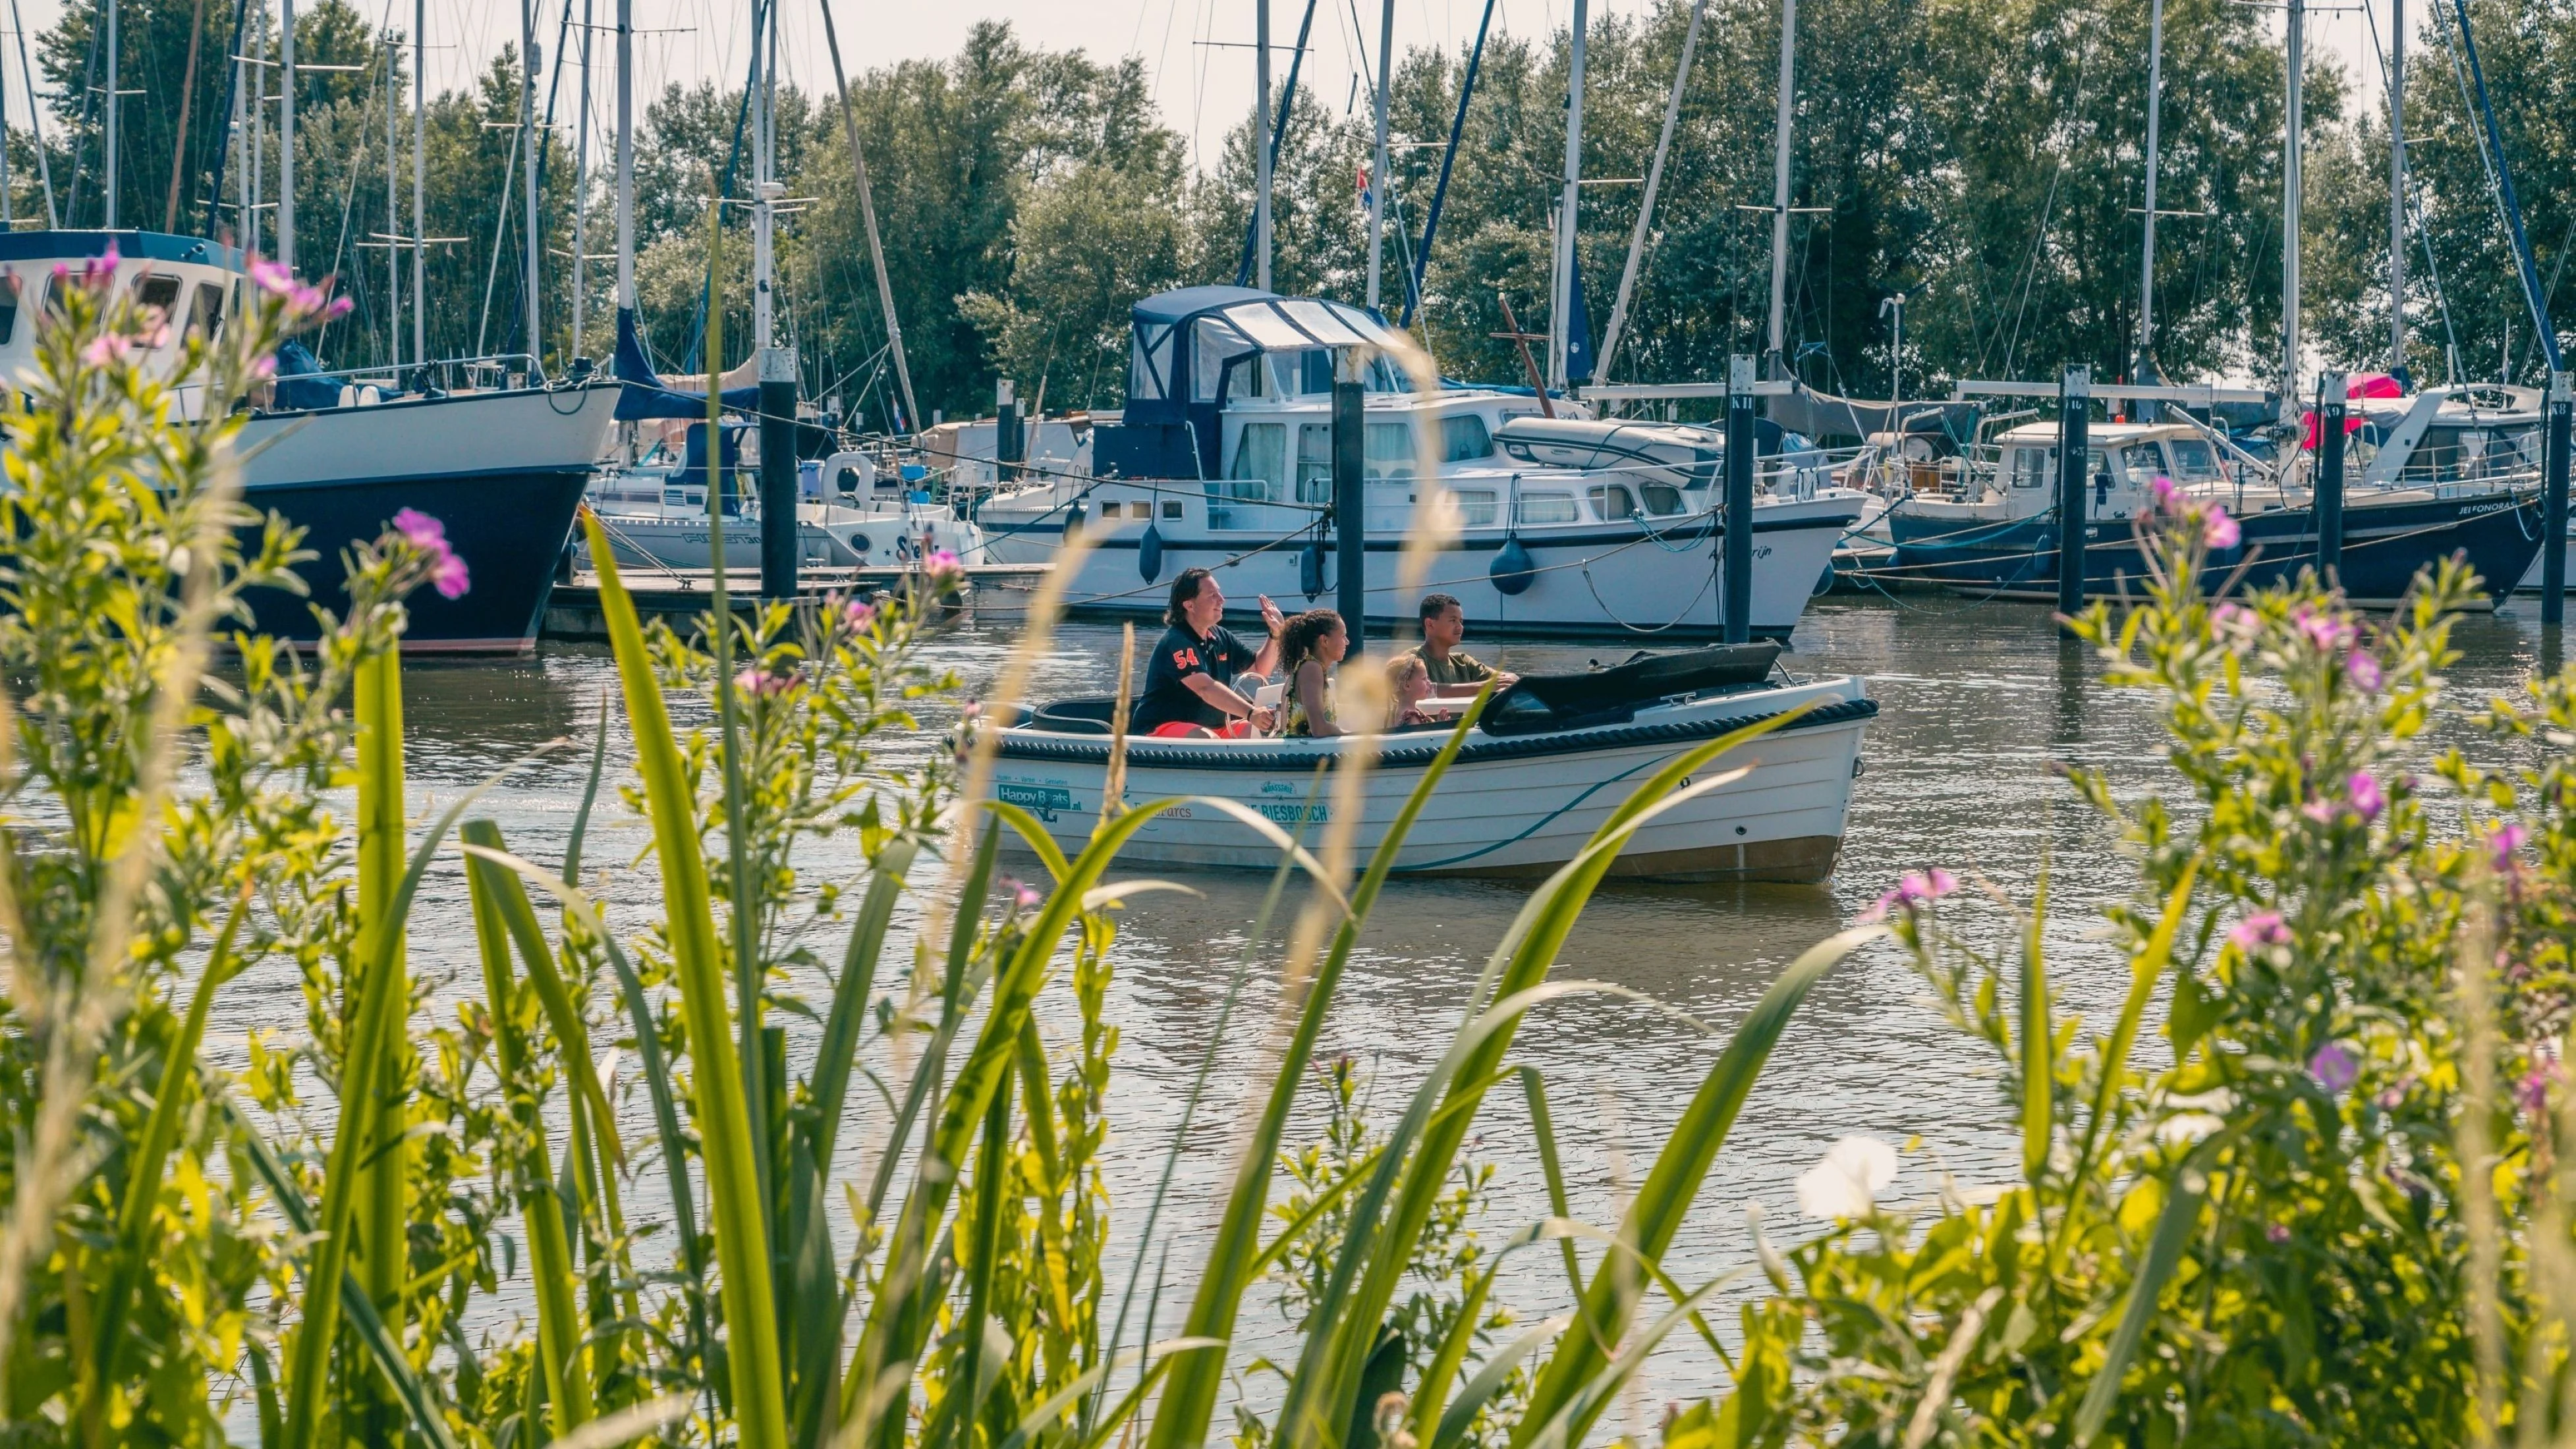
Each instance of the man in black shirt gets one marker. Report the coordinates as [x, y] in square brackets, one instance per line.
[1189, 681]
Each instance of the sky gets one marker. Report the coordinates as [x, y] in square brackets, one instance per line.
[1196, 52]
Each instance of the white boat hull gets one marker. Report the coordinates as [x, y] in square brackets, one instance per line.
[2531, 581]
[1511, 806]
[826, 537]
[1660, 581]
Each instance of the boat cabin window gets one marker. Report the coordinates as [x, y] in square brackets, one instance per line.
[1260, 462]
[1314, 463]
[1549, 508]
[1149, 367]
[1612, 501]
[1302, 373]
[2142, 461]
[1463, 437]
[2032, 467]
[1476, 507]
[1662, 499]
[158, 293]
[1387, 450]
[206, 314]
[2194, 460]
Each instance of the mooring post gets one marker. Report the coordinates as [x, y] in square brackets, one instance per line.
[1736, 574]
[2074, 403]
[2333, 407]
[1350, 496]
[777, 473]
[2553, 505]
[1010, 443]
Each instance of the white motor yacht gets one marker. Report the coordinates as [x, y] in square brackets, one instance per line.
[850, 513]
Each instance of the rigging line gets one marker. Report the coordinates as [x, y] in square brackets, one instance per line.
[2505, 201]
[2039, 241]
[80, 131]
[223, 116]
[724, 187]
[35, 117]
[349, 197]
[554, 84]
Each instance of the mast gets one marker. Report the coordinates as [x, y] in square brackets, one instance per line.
[580, 182]
[393, 228]
[1561, 297]
[528, 63]
[35, 118]
[2396, 185]
[1261, 142]
[1654, 181]
[1378, 178]
[2147, 249]
[286, 134]
[1779, 366]
[2290, 217]
[256, 142]
[112, 109]
[419, 180]
[8, 214]
[764, 145]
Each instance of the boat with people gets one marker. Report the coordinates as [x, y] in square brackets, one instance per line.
[1567, 524]
[2412, 499]
[850, 513]
[1542, 767]
[502, 468]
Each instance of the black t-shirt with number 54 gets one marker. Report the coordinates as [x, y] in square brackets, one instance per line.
[1178, 655]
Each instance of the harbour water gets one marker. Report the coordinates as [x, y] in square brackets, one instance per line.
[1979, 707]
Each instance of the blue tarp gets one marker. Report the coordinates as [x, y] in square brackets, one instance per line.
[297, 385]
[644, 396]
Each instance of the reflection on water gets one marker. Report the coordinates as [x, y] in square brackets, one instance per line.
[1979, 704]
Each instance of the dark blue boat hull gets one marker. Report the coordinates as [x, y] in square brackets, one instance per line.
[510, 528]
[2385, 546]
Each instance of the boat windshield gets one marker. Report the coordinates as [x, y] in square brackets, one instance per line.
[2194, 460]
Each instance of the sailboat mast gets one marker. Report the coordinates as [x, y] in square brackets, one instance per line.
[2147, 248]
[255, 136]
[1561, 298]
[1378, 178]
[2297, 17]
[764, 173]
[393, 227]
[2396, 185]
[1779, 365]
[528, 62]
[286, 134]
[1261, 143]
[625, 156]
[580, 183]
[112, 109]
[419, 180]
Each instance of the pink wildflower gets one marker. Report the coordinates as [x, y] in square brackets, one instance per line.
[449, 577]
[2328, 633]
[275, 278]
[2333, 1067]
[2362, 668]
[1918, 888]
[2168, 497]
[857, 614]
[941, 561]
[108, 349]
[2218, 530]
[2277, 1232]
[2363, 791]
[2508, 838]
[761, 684]
[2264, 928]
[2532, 1091]
[421, 530]
[2322, 812]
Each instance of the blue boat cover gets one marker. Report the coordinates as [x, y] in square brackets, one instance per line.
[644, 396]
[298, 384]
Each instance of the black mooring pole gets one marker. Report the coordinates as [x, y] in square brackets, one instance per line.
[1350, 496]
[2333, 405]
[1736, 599]
[2074, 402]
[2553, 506]
[777, 474]
[1010, 440]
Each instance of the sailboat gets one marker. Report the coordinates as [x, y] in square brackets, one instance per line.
[2428, 486]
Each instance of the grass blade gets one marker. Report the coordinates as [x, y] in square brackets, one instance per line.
[838, 1052]
[382, 1245]
[1542, 1127]
[2184, 1190]
[2038, 1048]
[1664, 1200]
[723, 1112]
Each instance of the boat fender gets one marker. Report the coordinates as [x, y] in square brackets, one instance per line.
[1149, 553]
[1310, 570]
[1072, 521]
[1513, 570]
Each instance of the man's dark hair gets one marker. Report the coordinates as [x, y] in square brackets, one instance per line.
[1184, 589]
[1434, 604]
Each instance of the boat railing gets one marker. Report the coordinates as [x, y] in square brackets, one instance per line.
[492, 372]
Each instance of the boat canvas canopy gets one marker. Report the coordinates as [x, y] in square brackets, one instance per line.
[1182, 340]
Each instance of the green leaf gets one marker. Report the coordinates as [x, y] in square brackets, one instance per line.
[2188, 1184]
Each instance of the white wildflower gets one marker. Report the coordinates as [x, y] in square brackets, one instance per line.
[1846, 1184]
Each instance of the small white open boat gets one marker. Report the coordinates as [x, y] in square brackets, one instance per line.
[1553, 756]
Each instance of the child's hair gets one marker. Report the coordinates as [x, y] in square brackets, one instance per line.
[1401, 669]
[1297, 640]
